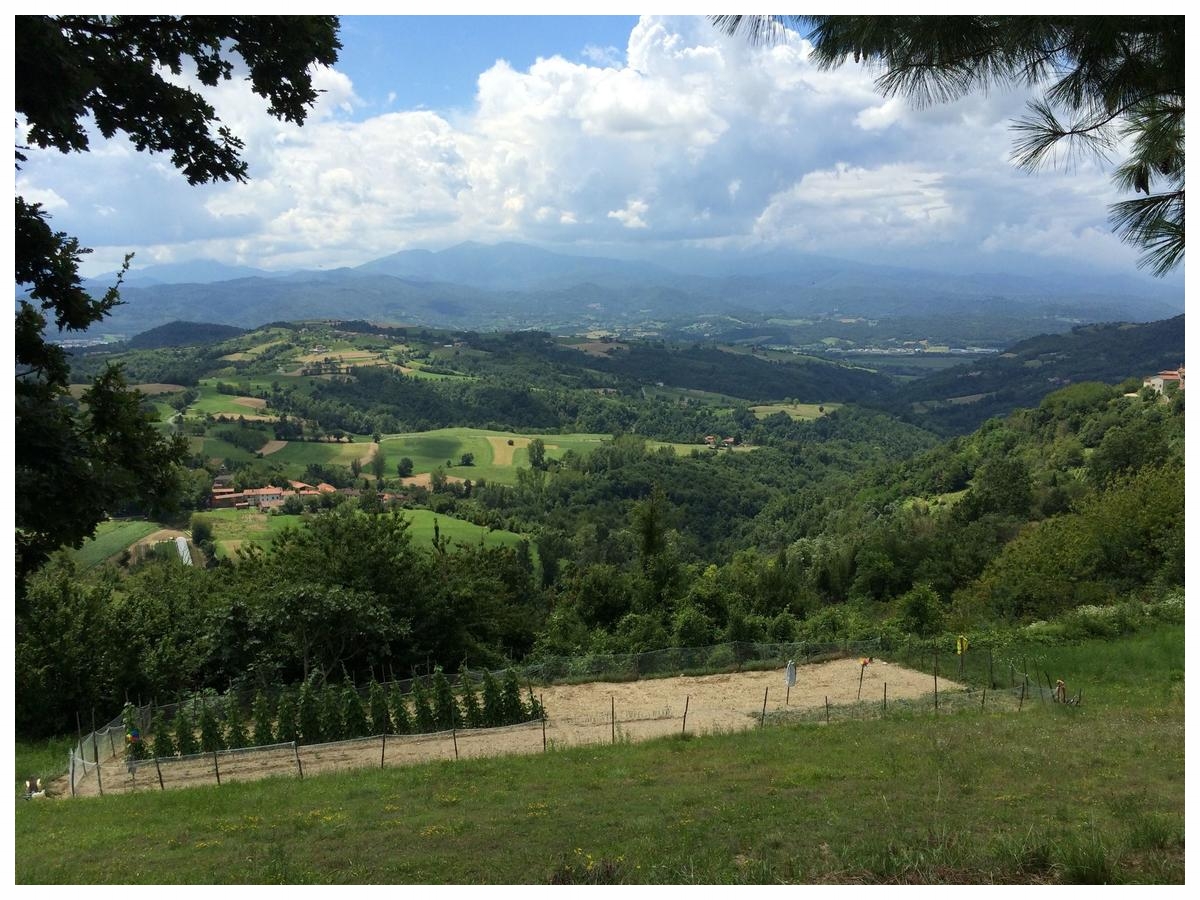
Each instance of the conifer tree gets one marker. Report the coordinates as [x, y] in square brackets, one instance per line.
[310, 714]
[472, 714]
[422, 712]
[287, 721]
[162, 747]
[261, 713]
[135, 746]
[354, 718]
[333, 726]
[401, 719]
[211, 737]
[185, 735]
[446, 713]
[235, 729]
[512, 708]
[493, 702]
[381, 719]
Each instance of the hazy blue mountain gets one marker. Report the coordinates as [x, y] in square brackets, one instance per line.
[479, 286]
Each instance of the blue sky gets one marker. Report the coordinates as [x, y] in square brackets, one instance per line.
[433, 62]
[617, 135]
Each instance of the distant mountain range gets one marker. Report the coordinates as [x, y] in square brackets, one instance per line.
[506, 286]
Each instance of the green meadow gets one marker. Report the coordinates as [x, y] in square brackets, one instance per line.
[234, 528]
[797, 411]
[494, 459]
[111, 538]
[1048, 795]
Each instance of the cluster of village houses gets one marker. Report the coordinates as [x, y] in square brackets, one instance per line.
[225, 496]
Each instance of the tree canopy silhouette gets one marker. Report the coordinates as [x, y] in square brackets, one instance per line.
[1105, 83]
[76, 76]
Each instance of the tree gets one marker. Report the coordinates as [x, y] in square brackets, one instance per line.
[537, 453]
[309, 721]
[467, 459]
[75, 463]
[404, 468]
[1114, 82]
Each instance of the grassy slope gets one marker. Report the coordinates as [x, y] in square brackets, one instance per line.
[111, 538]
[242, 526]
[1047, 795]
[430, 449]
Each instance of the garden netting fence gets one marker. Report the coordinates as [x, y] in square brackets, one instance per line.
[100, 762]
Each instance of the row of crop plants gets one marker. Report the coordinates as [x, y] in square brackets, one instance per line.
[315, 714]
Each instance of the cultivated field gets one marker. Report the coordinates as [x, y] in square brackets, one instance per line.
[495, 459]
[577, 714]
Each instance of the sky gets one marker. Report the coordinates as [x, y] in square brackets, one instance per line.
[621, 136]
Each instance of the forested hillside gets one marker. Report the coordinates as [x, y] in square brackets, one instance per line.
[960, 399]
[849, 524]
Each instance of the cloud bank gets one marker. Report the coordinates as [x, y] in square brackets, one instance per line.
[685, 137]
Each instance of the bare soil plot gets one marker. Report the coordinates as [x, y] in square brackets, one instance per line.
[252, 402]
[577, 714]
[153, 388]
[272, 447]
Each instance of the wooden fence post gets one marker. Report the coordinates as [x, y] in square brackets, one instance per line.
[762, 720]
[299, 765]
[542, 704]
[935, 684]
[383, 751]
[983, 700]
[612, 700]
[861, 671]
[991, 676]
[158, 769]
[216, 768]
[96, 753]
[1022, 701]
[885, 696]
[826, 709]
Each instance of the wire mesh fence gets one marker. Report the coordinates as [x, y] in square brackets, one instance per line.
[606, 698]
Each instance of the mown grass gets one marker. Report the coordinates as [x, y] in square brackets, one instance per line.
[298, 454]
[111, 538]
[1049, 795]
[430, 450]
[797, 411]
[238, 527]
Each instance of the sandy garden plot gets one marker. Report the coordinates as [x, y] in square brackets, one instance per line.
[577, 714]
[425, 480]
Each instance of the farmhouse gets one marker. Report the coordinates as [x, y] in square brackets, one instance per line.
[1160, 381]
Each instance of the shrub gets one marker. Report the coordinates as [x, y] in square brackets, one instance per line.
[185, 736]
[472, 713]
[310, 714]
[422, 712]
[287, 719]
[333, 725]
[381, 719]
[235, 731]
[162, 745]
[445, 710]
[493, 704]
[512, 709]
[354, 717]
[261, 714]
[401, 720]
[211, 738]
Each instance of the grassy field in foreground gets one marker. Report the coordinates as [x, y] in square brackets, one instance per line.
[1049, 795]
[111, 538]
